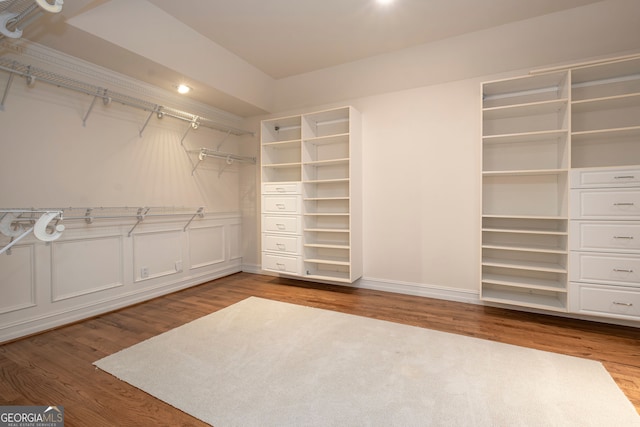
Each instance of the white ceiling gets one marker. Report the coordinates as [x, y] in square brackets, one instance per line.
[260, 41]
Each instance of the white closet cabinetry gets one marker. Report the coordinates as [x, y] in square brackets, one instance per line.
[605, 115]
[525, 161]
[542, 135]
[319, 155]
[604, 269]
[605, 242]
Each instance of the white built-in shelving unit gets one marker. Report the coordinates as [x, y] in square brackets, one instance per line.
[539, 133]
[524, 177]
[313, 162]
[604, 274]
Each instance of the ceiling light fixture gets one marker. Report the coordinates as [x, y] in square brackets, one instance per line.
[183, 89]
[384, 2]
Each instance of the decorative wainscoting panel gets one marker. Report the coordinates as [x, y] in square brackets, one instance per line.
[207, 246]
[17, 279]
[157, 254]
[85, 266]
[97, 268]
[235, 241]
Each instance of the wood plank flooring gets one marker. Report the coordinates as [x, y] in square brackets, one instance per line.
[55, 367]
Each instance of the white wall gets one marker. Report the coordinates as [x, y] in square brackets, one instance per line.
[421, 138]
[50, 160]
[421, 191]
[568, 36]
[421, 187]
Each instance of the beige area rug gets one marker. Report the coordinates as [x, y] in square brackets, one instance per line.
[266, 363]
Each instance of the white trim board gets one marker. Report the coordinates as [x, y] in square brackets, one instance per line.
[443, 293]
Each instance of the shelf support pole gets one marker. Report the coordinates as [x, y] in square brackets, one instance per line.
[147, 121]
[7, 248]
[201, 157]
[228, 162]
[223, 140]
[141, 213]
[199, 212]
[6, 89]
[86, 116]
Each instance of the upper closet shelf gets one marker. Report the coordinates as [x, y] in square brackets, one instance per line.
[33, 75]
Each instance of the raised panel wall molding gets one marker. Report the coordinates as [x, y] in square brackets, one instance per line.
[17, 279]
[85, 266]
[88, 272]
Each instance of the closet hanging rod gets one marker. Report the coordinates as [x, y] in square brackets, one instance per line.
[34, 74]
[89, 213]
[205, 152]
[331, 122]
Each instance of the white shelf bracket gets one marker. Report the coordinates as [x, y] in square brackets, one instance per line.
[146, 122]
[13, 241]
[88, 218]
[228, 162]
[223, 140]
[201, 157]
[141, 214]
[6, 89]
[86, 116]
[193, 124]
[199, 213]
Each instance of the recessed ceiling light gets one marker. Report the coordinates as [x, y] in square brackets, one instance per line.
[384, 2]
[183, 89]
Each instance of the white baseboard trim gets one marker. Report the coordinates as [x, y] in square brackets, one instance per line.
[252, 268]
[447, 294]
[419, 289]
[51, 320]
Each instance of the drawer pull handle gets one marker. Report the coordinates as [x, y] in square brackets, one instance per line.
[623, 237]
[281, 266]
[626, 304]
[624, 177]
[281, 226]
[282, 189]
[624, 204]
[280, 206]
[622, 270]
[281, 246]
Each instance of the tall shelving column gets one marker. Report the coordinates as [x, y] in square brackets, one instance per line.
[604, 275]
[605, 114]
[281, 168]
[312, 195]
[331, 170]
[525, 164]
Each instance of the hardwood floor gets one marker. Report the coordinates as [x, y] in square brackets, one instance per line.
[55, 367]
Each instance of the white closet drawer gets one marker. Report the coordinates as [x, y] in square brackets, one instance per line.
[614, 269]
[605, 236]
[282, 188]
[282, 204]
[605, 204]
[290, 245]
[282, 224]
[610, 301]
[593, 178]
[281, 263]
